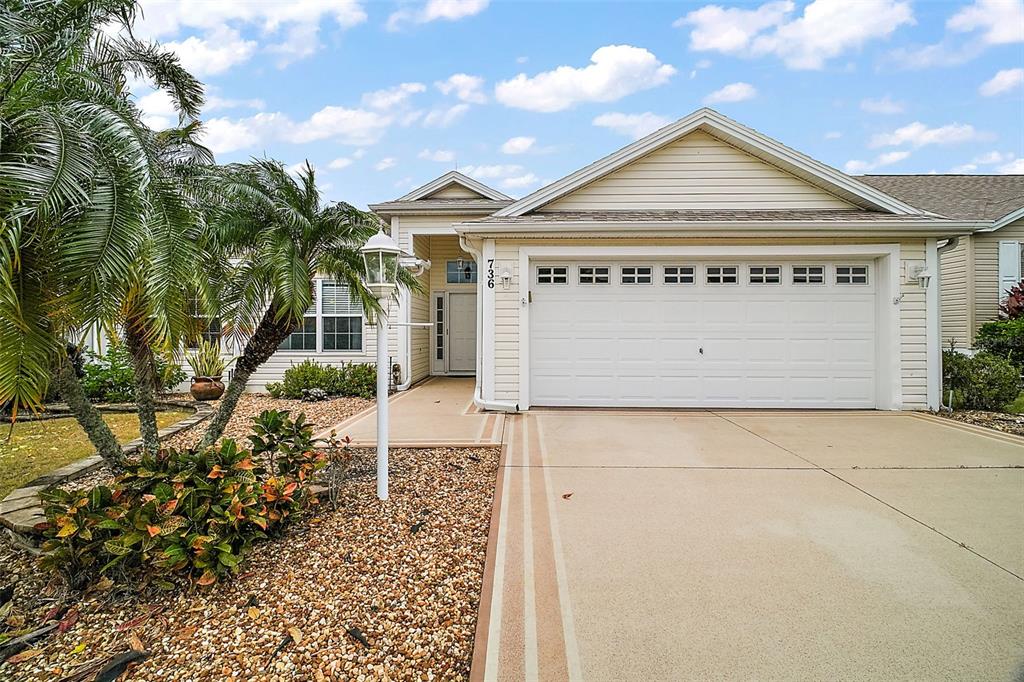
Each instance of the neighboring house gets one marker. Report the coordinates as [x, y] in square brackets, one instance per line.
[704, 265]
[978, 271]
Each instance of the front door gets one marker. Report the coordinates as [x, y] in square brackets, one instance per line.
[462, 332]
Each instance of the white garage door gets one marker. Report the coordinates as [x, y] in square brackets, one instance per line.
[703, 334]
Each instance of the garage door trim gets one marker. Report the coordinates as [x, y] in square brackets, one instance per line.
[887, 269]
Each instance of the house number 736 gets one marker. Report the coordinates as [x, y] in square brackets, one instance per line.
[490, 273]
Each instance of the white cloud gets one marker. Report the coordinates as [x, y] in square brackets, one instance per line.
[359, 153]
[296, 24]
[389, 98]
[339, 163]
[615, 71]
[1001, 21]
[385, 163]
[215, 53]
[826, 29]
[438, 155]
[885, 105]
[1004, 81]
[216, 103]
[518, 145]
[294, 169]
[734, 92]
[702, 64]
[1015, 167]
[348, 126]
[442, 118]
[447, 10]
[633, 126]
[158, 110]
[467, 88]
[993, 157]
[833, 135]
[917, 134]
[886, 159]
[493, 171]
[521, 181]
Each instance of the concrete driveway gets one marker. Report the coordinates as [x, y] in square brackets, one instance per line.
[754, 545]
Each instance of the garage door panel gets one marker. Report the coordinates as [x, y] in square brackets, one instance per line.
[777, 345]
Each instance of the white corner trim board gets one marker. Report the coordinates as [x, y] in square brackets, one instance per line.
[887, 377]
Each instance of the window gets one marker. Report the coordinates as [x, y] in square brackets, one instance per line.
[721, 274]
[765, 274]
[303, 338]
[808, 274]
[851, 274]
[552, 274]
[342, 316]
[202, 326]
[634, 274]
[462, 271]
[679, 274]
[591, 274]
[439, 326]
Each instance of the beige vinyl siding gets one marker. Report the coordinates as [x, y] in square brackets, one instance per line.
[442, 250]
[420, 312]
[913, 329]
[956, 282]
[455, 191]
[986, 270]
[697, 172]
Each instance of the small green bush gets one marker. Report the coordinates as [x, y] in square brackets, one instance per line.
[1004, 338]
[110, 378]
[194, 513]
[349, 379]
[980, 382]
[275, 389]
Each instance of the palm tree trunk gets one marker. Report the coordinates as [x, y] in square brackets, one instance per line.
[100, 435]
[264, 342]
[144, 365]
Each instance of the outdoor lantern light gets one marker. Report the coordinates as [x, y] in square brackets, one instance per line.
[380, 254]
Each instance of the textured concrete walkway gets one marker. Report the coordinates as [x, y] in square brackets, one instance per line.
[437, 413]
[747, 545]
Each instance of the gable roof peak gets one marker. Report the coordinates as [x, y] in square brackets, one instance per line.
[454, 177]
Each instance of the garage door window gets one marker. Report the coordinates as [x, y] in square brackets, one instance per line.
[552, 275]
[591, 274]
[851, 274]
[721, 274]
[637, 275]
[808, 274]
[765, 274]
[679, 274]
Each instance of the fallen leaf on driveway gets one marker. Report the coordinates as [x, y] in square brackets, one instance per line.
[566, 496]
[24, 655]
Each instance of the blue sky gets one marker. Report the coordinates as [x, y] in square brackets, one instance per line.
[384, 96]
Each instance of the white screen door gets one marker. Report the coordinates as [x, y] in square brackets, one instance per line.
[461, 332]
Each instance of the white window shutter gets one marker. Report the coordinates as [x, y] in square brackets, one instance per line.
[1009, 266]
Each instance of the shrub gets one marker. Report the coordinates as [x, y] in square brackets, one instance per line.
[350, 379]
[194, 513]
[275, 389]
[981, 382]
[207, 360]
[1004, 338]
[110, 378]
[1013, 307]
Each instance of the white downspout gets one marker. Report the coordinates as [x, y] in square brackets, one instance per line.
[950, 244]
[478, 399]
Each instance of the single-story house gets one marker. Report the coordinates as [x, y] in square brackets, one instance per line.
[981, 267]
[704, 265]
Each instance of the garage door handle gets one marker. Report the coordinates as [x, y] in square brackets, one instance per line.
[701, 350]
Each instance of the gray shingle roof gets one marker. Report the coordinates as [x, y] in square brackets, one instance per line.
[962, 197]
[689, 216]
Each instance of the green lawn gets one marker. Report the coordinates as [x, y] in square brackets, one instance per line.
[1017, 406]
[38, 447]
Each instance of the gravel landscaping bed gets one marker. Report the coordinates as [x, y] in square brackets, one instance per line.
[1000, 421]
[370, 591]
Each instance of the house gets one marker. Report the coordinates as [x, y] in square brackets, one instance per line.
[705, 265]
[981, 267]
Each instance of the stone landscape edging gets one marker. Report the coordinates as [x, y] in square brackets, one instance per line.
[22, 510]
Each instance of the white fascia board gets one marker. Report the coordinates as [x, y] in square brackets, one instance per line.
[1011, 217]
[457, 178]
[874, 228]
[728, 130]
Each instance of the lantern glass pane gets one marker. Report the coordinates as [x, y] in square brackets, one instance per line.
[373, 267]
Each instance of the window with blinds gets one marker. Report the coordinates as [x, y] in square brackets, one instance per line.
[303, 338]
[342, 315]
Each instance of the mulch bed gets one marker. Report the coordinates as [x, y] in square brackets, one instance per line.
[370, 591]
[1000, 421]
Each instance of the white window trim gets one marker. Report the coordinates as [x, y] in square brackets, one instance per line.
[692, 274]
[319, 316]
[721, 274]
[607, 274]
[635, 275]
[750, 274]
[867, 275]
[824, 276]
[889, 380]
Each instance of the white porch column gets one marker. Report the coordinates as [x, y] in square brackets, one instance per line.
[933, 321]
[487, 270]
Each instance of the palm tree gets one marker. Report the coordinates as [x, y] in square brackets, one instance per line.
[96, 213]
[272, 234]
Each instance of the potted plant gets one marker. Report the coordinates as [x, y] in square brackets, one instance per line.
[208, 366]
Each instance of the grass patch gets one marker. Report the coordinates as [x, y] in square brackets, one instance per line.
[39, 447]
[1017, 406]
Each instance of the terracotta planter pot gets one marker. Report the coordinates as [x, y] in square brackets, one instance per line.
[206, 388]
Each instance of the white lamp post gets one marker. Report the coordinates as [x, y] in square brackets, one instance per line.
[380, 255]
